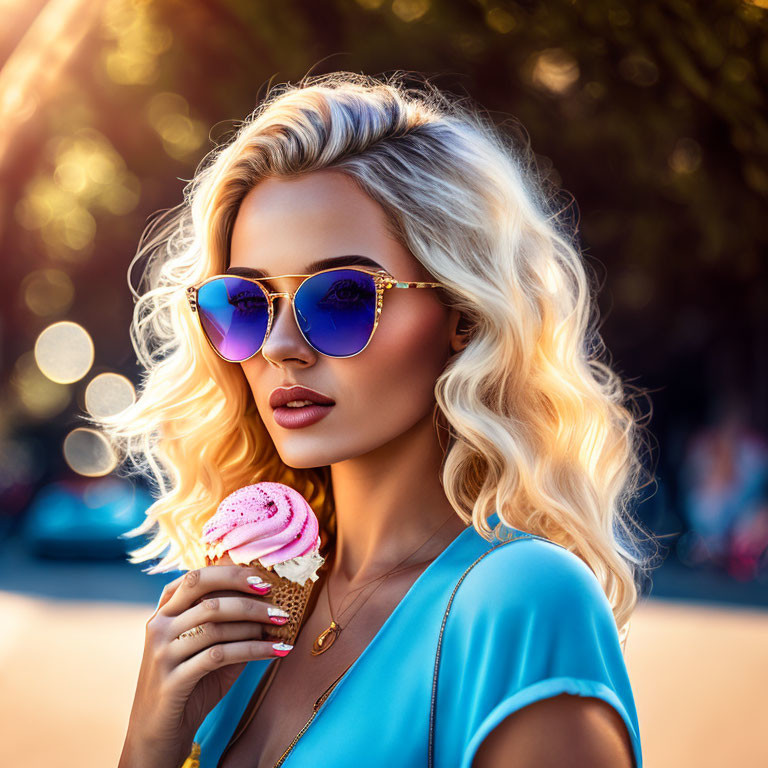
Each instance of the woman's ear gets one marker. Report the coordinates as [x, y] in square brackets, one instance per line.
[461, 329]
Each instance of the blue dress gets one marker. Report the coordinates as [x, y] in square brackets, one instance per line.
[529, 621]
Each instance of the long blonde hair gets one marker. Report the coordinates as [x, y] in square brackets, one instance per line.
[537, 427]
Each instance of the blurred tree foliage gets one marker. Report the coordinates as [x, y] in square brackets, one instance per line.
[652, 115]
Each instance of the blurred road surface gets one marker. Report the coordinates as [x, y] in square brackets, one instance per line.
[72, 633]
[69, 670]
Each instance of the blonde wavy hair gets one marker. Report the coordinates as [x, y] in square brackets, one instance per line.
[538, 428]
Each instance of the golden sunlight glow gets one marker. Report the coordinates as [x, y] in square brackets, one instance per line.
[75, 232]
[108, 393]
[686, 156]
[168, 114]
[138, 39]
[33, 68]
[47, 291]
[500, 20]
[554, 70]
[410, 10]
[38, 395]
[64, 352]
[88, 173]
[88, 452]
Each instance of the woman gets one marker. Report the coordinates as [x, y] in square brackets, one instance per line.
[466, 447]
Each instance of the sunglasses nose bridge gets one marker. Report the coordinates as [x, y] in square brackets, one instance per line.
[276, 295]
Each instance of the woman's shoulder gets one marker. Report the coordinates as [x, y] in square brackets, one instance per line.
[529, 621]
[529, 573]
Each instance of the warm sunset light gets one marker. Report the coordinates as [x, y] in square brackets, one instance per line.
[39, 395]
[539, 491]
[48, 291]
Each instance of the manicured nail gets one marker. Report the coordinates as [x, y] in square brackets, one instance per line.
[275, 611]
[281, 649]
[257, 584]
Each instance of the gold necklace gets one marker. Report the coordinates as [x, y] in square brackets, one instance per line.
[328, 636]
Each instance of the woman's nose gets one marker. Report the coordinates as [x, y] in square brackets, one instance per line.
[284, 337]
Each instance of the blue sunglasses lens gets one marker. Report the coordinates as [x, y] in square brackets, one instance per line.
[234, 315]
[336, 312]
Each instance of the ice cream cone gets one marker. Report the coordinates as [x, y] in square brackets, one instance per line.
[286, 594]
[271, 528]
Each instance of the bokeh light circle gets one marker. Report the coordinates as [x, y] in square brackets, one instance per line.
[64, 352]
[107, 394]
[89, 453]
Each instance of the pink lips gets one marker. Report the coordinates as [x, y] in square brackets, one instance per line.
[282, 395]
[294, 418]
[304, 416]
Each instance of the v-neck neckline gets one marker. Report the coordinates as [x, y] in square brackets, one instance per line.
[399, 607]
[379, 633]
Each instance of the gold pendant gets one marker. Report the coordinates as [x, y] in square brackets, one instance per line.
[325, 639]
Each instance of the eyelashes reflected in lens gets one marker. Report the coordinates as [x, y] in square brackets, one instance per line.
[247, 301]
[337, 311]
[347, 294]
[233, 315]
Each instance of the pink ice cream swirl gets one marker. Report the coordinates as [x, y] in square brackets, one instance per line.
[268, 522]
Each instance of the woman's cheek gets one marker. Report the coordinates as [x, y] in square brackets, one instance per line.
[401, 371]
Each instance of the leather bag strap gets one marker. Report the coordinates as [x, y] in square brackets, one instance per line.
[433, 707]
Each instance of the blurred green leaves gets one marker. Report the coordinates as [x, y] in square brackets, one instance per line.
[651, 114]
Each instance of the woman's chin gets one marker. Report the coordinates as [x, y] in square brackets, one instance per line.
[303, 459]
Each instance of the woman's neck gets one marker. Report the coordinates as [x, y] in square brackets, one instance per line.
[389, 502]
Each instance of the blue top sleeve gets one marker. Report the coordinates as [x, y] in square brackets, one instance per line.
[529, 621]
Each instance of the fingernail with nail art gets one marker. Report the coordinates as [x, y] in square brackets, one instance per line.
[257, 584]
[281, 649]
[277, 615]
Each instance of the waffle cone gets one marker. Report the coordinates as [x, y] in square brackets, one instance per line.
[286, 594]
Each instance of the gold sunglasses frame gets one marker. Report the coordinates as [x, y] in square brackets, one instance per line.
[382, 280]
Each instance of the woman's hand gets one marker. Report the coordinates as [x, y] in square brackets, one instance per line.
[182, 679]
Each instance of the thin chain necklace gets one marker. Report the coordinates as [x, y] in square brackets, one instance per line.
[328, 636]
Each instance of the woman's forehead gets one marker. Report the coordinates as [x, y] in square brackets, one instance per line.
[288, 226]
